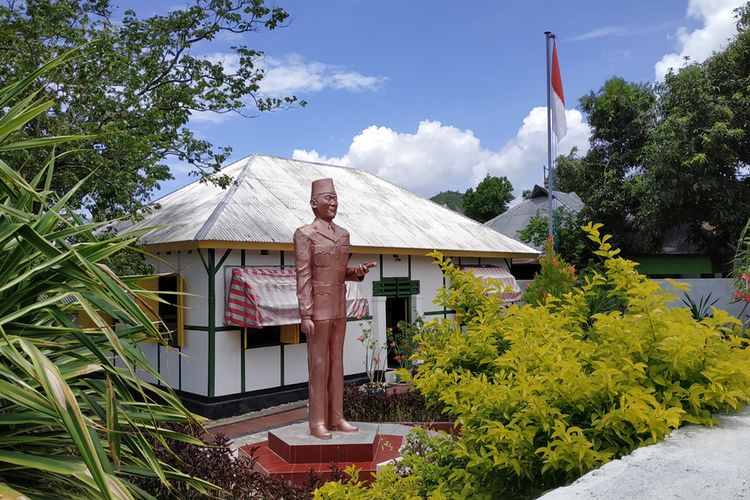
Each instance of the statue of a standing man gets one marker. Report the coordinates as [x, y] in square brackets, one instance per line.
[321, 254]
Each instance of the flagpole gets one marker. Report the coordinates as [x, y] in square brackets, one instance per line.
[550, 172]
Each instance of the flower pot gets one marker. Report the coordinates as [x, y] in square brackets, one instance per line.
[373, 387]
[399, 388]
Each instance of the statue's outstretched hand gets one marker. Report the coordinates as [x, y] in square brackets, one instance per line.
[362, 269]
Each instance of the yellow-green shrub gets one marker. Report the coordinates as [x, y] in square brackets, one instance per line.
[556, 277]
[546, 393]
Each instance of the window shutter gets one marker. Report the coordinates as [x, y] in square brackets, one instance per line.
[150, 306]
[87, 322]
[290, 334]
[395, 287]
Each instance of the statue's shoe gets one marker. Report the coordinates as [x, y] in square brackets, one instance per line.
[320, 432]
[344, 426]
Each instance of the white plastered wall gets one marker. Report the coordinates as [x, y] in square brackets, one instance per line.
[430, 280]
[263, 366]
[354, 353]
[195, 363]
[187, 368]
[295, 363]
[228, 367]
[228, 361]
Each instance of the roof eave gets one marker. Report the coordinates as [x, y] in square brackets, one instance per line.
[356, 249]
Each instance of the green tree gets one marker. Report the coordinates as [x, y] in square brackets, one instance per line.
[451, 199]
[490, 199]
[673, 153]
[621, 116]
[698, 155]
[134, 87]
[569, 239]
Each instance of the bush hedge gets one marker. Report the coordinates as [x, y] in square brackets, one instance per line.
[215, 462]
[545, 393]
[405, 407]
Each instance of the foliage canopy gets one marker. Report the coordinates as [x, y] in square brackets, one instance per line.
[670, 154]
[570, 243]
[490, 198]
[451, 199]
[134, 88]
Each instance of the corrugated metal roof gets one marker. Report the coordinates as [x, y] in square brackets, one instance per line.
[676, 241]
[512, 221]
[271, 199]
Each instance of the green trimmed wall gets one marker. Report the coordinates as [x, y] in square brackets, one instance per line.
[673, 264]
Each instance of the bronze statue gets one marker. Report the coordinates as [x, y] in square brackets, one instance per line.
[321, 254]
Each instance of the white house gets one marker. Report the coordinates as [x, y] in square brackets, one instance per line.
[203, 234]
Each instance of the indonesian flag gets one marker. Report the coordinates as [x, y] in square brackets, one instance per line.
[559, 125]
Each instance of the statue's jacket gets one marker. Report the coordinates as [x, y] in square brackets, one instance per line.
[321, 257]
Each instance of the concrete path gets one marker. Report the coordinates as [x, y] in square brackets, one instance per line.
[694, 462]
[253, 427]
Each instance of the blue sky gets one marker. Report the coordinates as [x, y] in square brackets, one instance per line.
[432, 95]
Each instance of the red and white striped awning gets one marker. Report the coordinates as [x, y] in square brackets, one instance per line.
[260, 297]
[501, 275]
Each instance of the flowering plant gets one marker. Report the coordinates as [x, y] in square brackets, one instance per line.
[376, 354]
[742, 275]
[742, 294]
[402, 341]
[742, 285]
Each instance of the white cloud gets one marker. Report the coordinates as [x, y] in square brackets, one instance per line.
[293, 74]
[434, 158]
[210, 117]
[605, 31]
[439, 157]
[289, 75]
[521, 158]
[719, 25]
[230, 61]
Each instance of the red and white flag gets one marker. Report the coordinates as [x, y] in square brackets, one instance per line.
[557, 103]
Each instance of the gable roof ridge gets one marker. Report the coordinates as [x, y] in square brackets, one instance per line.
[206, 227]
[286, 158]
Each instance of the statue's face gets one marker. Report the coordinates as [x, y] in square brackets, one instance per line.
[324, 206]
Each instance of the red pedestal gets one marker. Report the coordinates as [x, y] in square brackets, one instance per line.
[291, 452]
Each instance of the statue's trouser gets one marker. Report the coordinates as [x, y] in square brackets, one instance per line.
[325, 368]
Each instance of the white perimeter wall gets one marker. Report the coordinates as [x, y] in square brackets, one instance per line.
[718, 288]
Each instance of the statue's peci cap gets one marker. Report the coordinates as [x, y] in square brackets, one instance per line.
[322, 186]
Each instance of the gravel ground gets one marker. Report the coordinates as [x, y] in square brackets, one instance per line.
[694, 462]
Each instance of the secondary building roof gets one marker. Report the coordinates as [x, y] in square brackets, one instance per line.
[512, 221]
[271, 198]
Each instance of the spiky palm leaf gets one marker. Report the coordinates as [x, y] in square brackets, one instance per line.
[75, 419]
